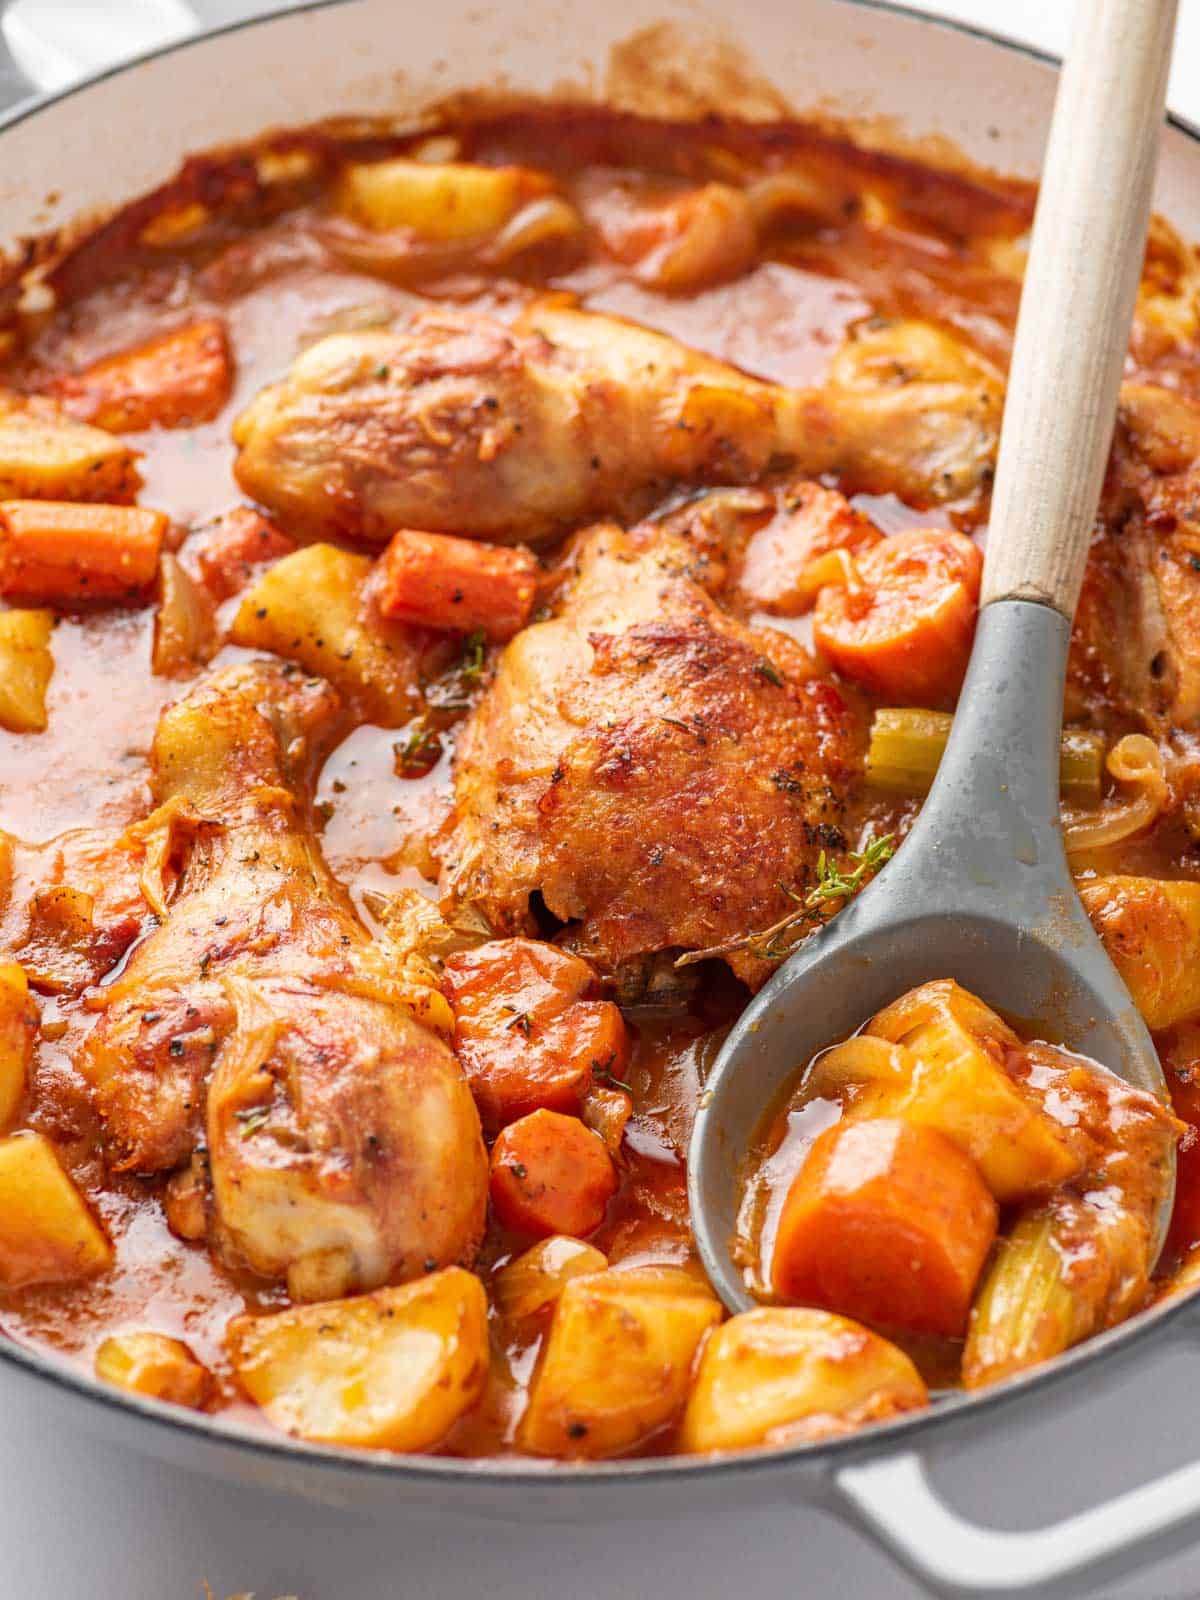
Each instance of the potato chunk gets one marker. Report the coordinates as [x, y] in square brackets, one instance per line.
[779, 1374]
[26, 667]
[18, 1025]
[954, 1047]
[47, 1233]
[617, 1362]
[314, 607]
[45, 455]
[153, 1365]
[390, 1370]
[440, 201]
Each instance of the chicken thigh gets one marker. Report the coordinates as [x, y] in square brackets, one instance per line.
[658, 773]
[260, 1022]
[459, 424]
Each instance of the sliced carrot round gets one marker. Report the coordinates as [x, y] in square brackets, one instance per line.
[550, 1174]
[905, 630]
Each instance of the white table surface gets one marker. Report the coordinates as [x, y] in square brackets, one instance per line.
[82, 1520]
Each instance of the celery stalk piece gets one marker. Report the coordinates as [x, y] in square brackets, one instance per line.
[907, 744]
[1027, 1310]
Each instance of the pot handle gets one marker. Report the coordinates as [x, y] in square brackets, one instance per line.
[46, 45]
[893, 1500]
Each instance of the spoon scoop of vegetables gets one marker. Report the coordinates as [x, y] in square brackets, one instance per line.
[981, 890]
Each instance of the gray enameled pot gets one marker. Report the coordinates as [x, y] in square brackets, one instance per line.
[895, 75]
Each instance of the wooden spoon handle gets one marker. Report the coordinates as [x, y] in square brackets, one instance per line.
[1085, 261]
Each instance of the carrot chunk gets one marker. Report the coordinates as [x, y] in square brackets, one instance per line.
[550, 1174]
[888, 1222]
[526, 1033]
[178, 379]
[435, 581]
[58, 551]
[230, 551]
[905, 629]
[812, 523]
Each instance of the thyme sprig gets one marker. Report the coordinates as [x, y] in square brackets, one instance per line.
[833, 884]
[419, 752]
[474, 656]
[603, 1073]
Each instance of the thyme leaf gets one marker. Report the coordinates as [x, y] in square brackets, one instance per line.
[612, 1081]
[766, 668]
[602, 1072]
[470, 667]
[252, 1119]
[418, 753]
[833, 884]
[520, 1020]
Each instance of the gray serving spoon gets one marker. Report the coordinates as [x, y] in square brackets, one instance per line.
[981, 890]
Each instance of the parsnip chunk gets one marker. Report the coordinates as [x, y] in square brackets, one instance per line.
[956, 1083]
[18, 1024]
[535, 1280]
[47, 1233]
[780, 1373]
[314, 607]
[156, 1366]
[26, 667]
[617, 1362]
[44, 455]
[438, 200]
[390, 1370]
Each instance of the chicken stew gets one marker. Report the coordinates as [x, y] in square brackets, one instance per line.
[472, 602]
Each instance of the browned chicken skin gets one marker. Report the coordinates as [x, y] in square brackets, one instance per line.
[459, 424]
[646, 764]
[343, 1142]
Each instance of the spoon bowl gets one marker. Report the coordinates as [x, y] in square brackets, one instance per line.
[981, 891]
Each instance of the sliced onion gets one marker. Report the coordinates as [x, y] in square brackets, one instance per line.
[532, 1283]
[546, 220]
[1135, 762]
[797, 194]
[718, 241]
[184, 624]
[397, 254]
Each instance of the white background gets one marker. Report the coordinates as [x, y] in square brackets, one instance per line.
[80, 1520]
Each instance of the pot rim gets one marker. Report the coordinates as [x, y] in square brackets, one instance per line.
[556, 1476]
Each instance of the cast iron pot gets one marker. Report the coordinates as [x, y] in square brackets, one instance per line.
[897, 76]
